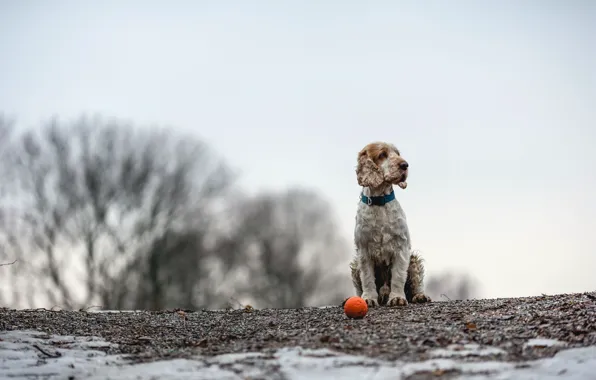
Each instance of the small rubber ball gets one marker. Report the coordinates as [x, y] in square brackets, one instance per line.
[355, 307]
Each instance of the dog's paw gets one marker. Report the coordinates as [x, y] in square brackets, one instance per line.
[421, 298]
[384, 293]
[371, 301]
[397, 301]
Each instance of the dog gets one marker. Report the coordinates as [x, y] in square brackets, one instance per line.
[384, 270]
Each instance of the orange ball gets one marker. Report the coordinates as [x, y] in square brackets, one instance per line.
[355, 307]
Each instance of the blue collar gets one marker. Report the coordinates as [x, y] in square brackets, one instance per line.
[378, 201]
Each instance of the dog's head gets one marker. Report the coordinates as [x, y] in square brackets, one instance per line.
[380, 163]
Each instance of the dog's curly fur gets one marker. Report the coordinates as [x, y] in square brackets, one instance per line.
[384, 270]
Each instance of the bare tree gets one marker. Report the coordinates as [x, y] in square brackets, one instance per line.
[452, 285]
[101, 213]
[175, 271]
[6, 133]
[97, 200]
[292, 249]
[7, 260]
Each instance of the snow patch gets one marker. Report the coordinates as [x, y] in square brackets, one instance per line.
[27, 354]
[59, 357]
[456, 350]
[541, 342]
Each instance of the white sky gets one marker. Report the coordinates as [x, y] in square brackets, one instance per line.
[492, 103]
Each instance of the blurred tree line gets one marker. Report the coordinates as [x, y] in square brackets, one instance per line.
[99, 212]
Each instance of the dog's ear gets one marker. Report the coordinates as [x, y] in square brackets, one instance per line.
[367, 172]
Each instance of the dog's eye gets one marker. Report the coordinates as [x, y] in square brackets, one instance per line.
[382, 155]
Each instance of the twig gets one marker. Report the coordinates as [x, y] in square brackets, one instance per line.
[443, 295]
[1, 265]
[51, 356]
[238, 302]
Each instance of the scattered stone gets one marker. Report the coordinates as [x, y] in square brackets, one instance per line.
[506, 329]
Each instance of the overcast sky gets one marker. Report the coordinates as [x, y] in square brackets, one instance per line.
[492, 103]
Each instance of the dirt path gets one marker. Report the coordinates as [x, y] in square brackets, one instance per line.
[501, 328]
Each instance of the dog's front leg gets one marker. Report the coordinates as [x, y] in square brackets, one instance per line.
[415, 280]
[399, 275]
[367, 278]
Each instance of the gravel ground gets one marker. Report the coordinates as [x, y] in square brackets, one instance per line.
[408, 333]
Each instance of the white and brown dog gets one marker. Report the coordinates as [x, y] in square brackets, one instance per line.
[384, 270]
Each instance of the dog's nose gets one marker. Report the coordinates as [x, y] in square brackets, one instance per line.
[404, 165]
